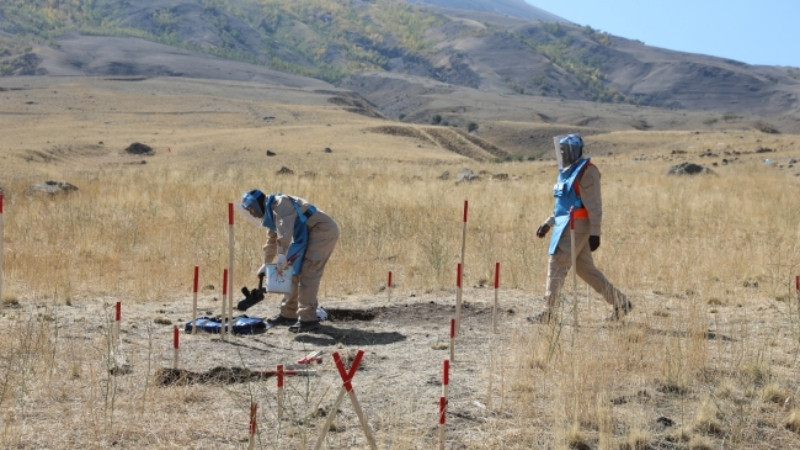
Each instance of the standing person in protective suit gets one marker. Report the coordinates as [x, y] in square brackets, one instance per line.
[298, 235]
[577, 189]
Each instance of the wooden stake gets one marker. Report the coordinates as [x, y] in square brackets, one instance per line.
[496, 286]
[230, 270]
[224, 302]
[194, 299]
[452, 339]
[445, 377]
[459, 269]
[461, 266]
[1, 246]
[117, 319]
[442, 415]
[253, 425]
[347, 388]
[280, 374]
[175, 346]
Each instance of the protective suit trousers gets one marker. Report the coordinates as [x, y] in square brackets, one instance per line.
[560, 263]
[302, 301]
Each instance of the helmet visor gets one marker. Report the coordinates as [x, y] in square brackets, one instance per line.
[250, 207]
[563, 160]
[250, 214]
[569, 148]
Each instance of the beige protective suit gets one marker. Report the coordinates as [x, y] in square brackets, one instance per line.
[560, 262]
[322, 236]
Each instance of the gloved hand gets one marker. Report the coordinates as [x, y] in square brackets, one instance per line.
[594, 242]
[262, 270]
[542, 230]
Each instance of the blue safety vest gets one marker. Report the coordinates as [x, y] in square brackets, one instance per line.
[297, 249]
[566, 198]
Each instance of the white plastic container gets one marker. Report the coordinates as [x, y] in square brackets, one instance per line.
[278, 283]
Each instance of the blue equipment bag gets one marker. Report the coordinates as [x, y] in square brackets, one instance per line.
[241, 325]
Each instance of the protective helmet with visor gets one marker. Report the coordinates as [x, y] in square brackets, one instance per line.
[569, 148]
[252, 206]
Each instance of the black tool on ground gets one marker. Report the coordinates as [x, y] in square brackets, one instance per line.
[251, 297]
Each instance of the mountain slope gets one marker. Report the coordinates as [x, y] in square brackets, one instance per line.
[386, 50]
[514, 8]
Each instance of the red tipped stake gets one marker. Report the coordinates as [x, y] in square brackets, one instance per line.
[797, 283]
[253, 426]
[459, 271]
[194, 299]
[175, 346]
[463, 250]
[496, 287]
[442, 415]
[230, 272]
[313, 357]
[452, 339]
[347, 389]
[224, 302]
[117, 319]
[1, 245]
[445, 377]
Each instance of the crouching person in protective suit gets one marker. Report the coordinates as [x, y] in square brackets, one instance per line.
[577, 189]
[299, 236]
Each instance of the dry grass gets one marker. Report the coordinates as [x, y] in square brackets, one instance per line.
[708, 261]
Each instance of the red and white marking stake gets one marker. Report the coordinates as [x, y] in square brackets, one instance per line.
[452, 339]
[1, 246]
[347, 388]
[459, 269]
[253, 425]
[445, 377]
[230, 269]
[461, 266]
[117, 319]
[224, 302]
[796, 280]
[194, 299]
[442, 415]
[496, 286]
[175, 346]
[313, 357]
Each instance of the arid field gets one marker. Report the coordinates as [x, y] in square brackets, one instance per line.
[708, 359]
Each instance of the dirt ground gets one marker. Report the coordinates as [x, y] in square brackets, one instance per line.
[405, 339]
[98, 383]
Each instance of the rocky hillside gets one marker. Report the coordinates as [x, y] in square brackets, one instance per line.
[386, 50]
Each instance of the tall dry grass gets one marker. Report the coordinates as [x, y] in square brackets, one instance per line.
[683, 248]
[713, 348]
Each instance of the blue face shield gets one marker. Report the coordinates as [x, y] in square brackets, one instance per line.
[250, 207]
